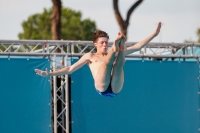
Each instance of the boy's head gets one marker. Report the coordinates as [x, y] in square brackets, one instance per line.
[99, 33]
[100, 40]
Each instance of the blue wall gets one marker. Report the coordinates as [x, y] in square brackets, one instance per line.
[24, 96]
[156, 98]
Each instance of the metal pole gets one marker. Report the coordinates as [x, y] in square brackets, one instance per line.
[184, 52]
[62, 90]
[52, 98]
[145, 50]
[191, 51]
[47, 48]
[67, 98]
[72, 48]
[55, 95]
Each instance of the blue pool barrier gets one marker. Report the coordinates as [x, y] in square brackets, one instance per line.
[24, 96]
[157, 97]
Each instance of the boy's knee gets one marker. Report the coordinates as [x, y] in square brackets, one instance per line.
[120, 63]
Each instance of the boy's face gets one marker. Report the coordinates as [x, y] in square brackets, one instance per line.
[102, 44]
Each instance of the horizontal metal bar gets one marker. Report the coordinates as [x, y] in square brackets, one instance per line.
[48, 50]
[90, 42]
[81, 54]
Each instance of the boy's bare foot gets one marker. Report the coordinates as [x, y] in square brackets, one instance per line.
[122, 44]
[117, 43]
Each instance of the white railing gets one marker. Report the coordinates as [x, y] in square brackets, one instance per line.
[64, 49]
[78, 48]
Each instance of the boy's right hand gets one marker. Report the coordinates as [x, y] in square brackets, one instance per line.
[42, 73]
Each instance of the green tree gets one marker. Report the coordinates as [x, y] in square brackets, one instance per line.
[192, 41]
[38, 26]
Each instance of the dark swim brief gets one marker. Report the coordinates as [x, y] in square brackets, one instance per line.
[108, 92]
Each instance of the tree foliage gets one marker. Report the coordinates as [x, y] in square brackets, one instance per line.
[38, 26]
[198, 35]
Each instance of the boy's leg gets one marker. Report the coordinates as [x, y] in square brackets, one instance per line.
[118, 72]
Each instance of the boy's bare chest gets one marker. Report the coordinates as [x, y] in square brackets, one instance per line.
[95, 64]
[96, 61]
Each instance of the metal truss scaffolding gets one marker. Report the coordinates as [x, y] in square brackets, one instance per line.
[54, 49]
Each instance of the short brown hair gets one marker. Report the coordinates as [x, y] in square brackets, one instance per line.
[99, 33]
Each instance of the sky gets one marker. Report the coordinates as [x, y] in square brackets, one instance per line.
[180, 18]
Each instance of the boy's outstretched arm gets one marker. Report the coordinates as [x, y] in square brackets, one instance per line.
[68, 69]
[144, 42]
